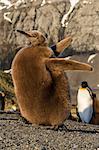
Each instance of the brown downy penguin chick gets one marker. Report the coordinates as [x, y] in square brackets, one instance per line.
[41, 86]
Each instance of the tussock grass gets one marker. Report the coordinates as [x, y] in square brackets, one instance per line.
[6, 86]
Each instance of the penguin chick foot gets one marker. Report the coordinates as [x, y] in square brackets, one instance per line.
[23, 120]
[61, 127]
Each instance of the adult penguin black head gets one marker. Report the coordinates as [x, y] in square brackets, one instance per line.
[84, 84]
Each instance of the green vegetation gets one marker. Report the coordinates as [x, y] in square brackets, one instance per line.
[6, 86]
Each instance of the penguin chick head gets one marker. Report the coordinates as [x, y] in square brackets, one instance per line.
[35, 37]
[84, 84]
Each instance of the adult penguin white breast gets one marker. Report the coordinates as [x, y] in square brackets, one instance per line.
[85, 102]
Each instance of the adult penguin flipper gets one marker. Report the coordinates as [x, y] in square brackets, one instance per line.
[62, 64]
[61, 45]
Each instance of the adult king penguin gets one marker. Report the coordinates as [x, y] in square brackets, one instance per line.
[85, 102]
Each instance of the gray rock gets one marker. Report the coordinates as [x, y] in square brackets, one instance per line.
[83, 26]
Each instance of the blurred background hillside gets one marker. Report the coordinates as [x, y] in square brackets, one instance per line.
[82, 24]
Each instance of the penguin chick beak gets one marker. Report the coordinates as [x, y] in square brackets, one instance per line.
[25, 33]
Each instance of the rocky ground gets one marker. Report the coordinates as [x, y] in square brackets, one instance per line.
[16, 135]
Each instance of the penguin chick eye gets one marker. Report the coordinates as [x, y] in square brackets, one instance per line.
[35, 35]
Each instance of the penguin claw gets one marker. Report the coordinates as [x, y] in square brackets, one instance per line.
[61, 127]
[23, 120]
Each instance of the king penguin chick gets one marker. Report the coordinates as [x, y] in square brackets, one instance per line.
[40, 83]
[85, 102]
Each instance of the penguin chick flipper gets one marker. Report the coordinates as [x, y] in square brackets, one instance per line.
[60, 46]
[61, 64]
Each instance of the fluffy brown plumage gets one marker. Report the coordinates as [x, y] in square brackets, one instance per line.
[41, 86]
[95, 119]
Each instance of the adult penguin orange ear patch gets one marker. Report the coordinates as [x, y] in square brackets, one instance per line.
[41, 87]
